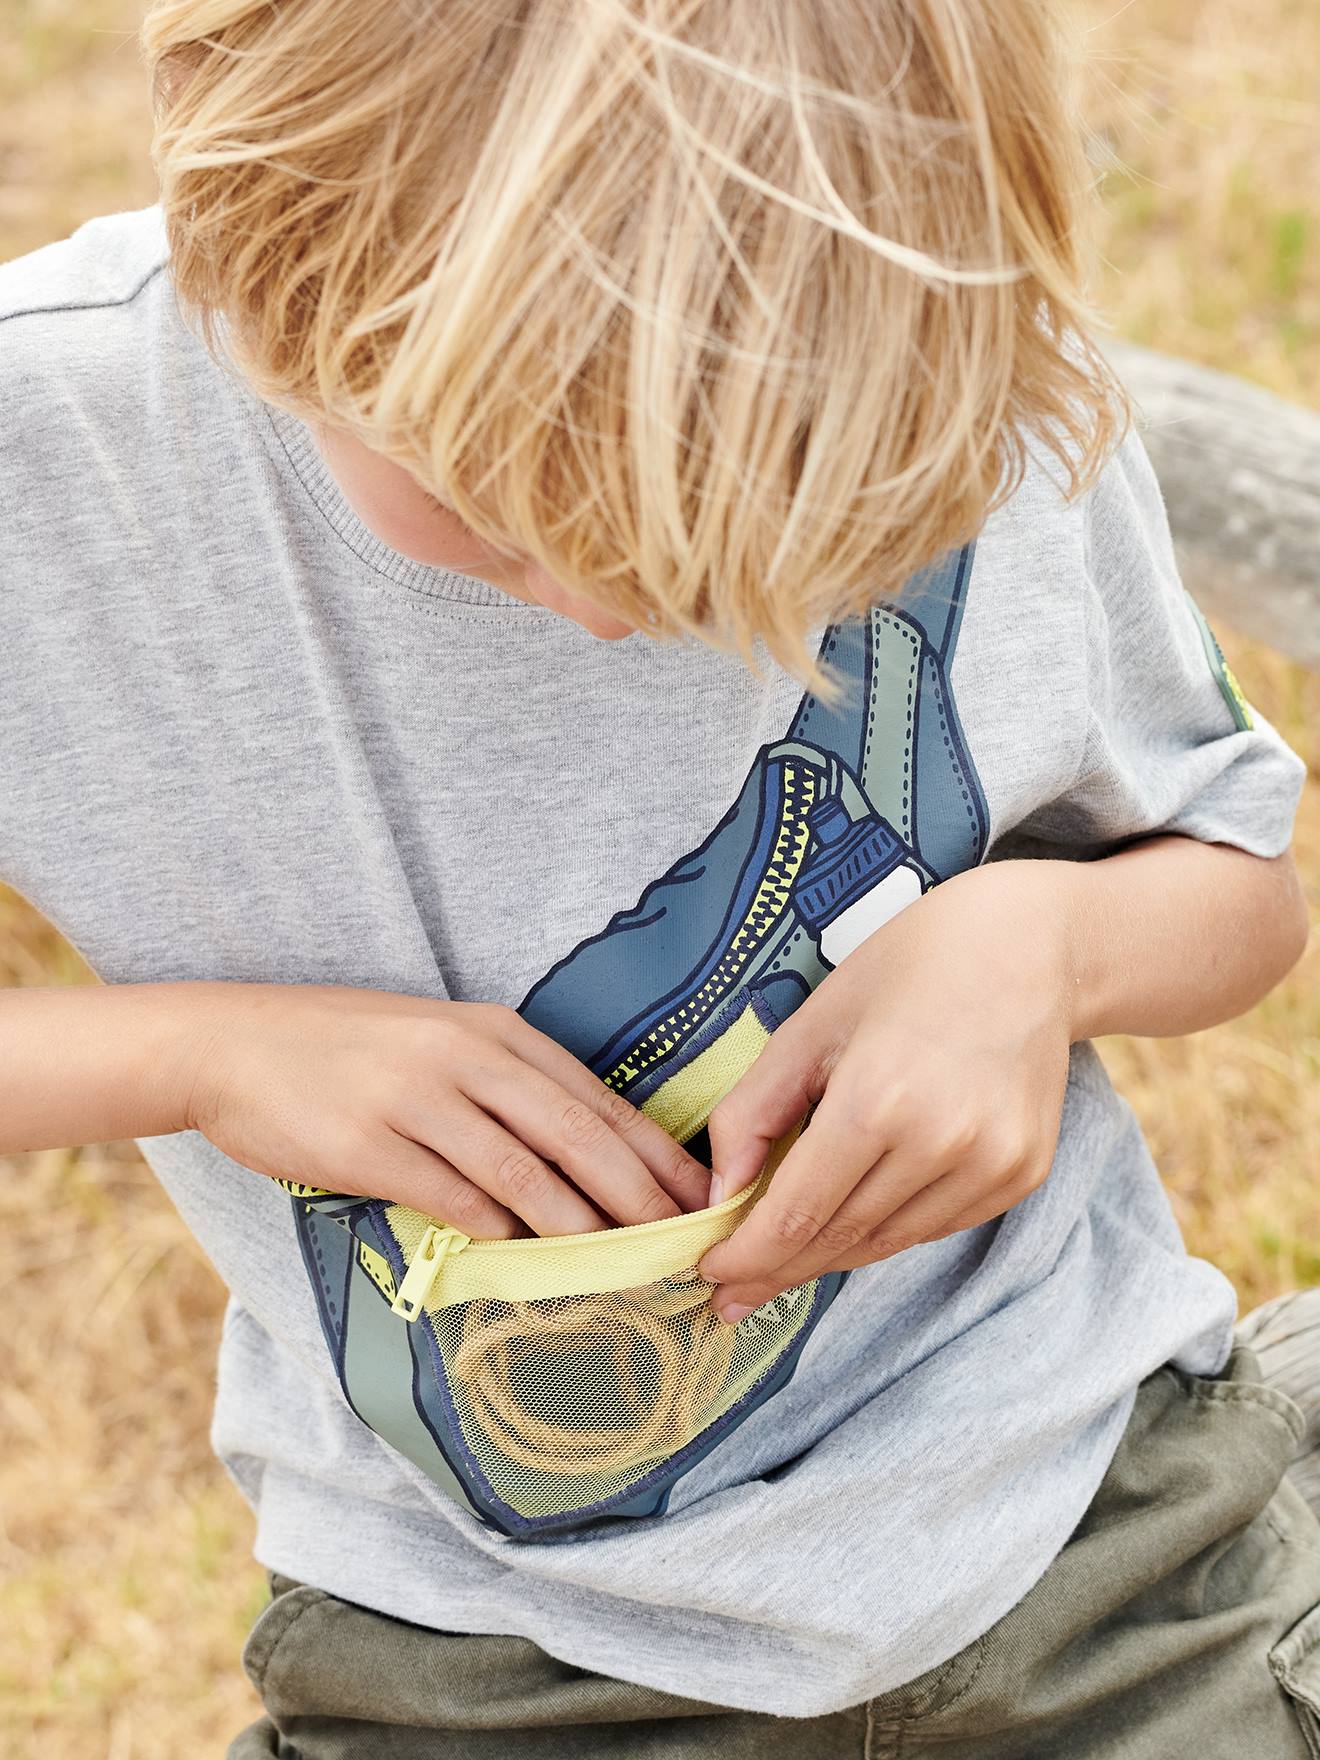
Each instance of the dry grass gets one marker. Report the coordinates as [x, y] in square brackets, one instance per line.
[126, 1581]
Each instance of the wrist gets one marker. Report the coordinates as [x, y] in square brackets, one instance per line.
[1064, 922]
[162, 1034]
[191, 1023]
[98, 1062]
[1080, 954]
[1044, 919]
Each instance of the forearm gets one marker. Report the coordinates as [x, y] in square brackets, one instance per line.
[1173, 935]
[92, 1063]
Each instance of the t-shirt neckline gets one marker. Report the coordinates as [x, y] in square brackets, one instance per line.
[420, 577]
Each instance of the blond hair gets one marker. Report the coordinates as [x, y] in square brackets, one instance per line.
[730, 314]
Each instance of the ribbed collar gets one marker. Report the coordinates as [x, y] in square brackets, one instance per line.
[421, 577]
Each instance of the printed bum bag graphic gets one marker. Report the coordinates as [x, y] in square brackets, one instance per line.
[555, 1385]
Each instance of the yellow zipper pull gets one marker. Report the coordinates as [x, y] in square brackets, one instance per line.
[433, 1249]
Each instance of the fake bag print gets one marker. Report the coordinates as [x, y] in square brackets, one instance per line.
[554, 1383]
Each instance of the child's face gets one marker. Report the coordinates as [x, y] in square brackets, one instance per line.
[402, 515]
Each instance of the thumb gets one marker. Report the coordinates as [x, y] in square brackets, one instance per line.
[787, 1078]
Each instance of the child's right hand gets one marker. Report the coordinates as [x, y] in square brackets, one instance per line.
[463, 1111]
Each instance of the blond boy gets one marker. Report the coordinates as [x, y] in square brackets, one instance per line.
[430, 536]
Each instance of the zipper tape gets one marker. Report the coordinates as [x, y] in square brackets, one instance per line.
[451, 1268]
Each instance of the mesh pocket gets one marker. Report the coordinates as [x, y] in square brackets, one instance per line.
[569, 1402]
[552, 1383]
[579, 1370]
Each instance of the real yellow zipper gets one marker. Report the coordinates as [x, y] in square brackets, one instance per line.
[435, 1246]
[561, 1265]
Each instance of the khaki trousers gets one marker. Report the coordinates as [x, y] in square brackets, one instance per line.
[1180, 1622]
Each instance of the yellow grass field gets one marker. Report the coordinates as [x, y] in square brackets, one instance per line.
[126, 1581]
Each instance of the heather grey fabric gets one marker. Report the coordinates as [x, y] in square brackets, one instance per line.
[244, 739]
[1182, 1617]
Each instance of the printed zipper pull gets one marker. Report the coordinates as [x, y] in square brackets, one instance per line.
[433, 1249]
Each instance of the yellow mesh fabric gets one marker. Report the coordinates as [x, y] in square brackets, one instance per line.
[576, 1364]
[568, 1402]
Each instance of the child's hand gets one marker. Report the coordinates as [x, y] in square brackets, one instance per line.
[461, 1110]
[937, 1052]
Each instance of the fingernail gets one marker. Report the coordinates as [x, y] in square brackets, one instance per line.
[716, 1190]
[734, 1312]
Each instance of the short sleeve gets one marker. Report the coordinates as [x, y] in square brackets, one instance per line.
[1171, 744]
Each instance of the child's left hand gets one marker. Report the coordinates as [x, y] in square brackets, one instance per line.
[937, 1052]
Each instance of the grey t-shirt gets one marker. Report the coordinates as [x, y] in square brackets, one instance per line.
[244, 739]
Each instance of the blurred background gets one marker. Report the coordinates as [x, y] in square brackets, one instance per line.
[126, 1580]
